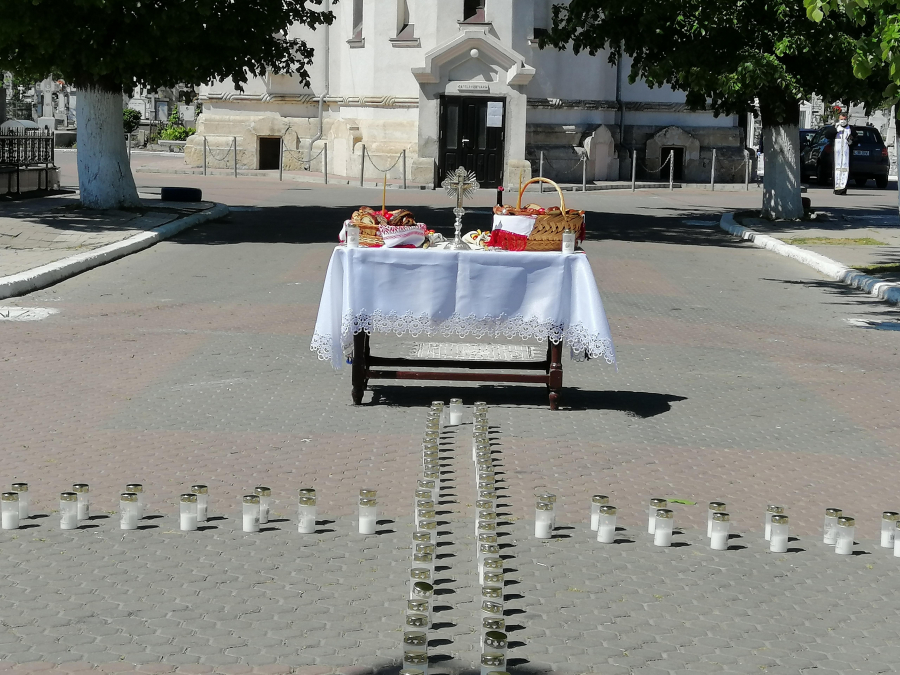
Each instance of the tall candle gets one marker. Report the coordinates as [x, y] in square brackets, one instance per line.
[830, 527]
[68, 511]
[265, 498]
[202, 492]
[128, 511]
[665, 524]
[772, 510]
[188, 512]
[596, 502]
[655, 505]
[606, 527]
[250, 513]
[714, 507]
[368, 511]
[888, 527]
[306, 512]
[137, 489]
[84, 500]
[721, 526]
[846, 532]
[778, 533]
[24, 501]
[456, 411]
[543, 520]
[9, 511]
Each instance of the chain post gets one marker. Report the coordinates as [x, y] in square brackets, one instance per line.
[712, 172]
[671, 170]
[234, 143]
[362, 167]
[584, 173]
[325, 162]
[281, 158]
[746, 170]
[204, 155]
[404, 168]
[541, 172]
[633, 168]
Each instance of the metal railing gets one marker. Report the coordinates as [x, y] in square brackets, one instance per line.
[26, 147]
[383, 172]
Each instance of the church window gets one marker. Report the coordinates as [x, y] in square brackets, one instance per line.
[405, 29]
[357, 19]
[473, 11]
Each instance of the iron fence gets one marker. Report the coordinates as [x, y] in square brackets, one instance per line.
[26, 147]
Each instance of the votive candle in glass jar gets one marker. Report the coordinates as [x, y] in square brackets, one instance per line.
[352, 235]
[456, 412]
[428, 524]
[415, 659]
[490, 565]
[306, 515]
[897, 540]
[498, 623]
[188, 512]
[596, 502]
[486, 551]
[494, 642]
[655, 505]
[487, 538]
[84, 500]
[9, 511]
[488, 494]
[830, 527]
[415, 639]
[778, 533]
[846, 532]
[429, 486]
[368, 514]
[265, 501]
[426, 514]
[424, 561]
[251, 513]
[128, 511]
[543, 520]
[491, 609]
[137, 489]
[24, 499]
[68, 511]
[202, 492]
[721, 527]
[484, 516]
[714, 507]
[606, 529]
[665, 524]
[888, 528]
[485, 526]
[416, 620]
[568, 241]
[484, 504]
[424, 591]
[492, 662]
[419, 606]
[548, 498]
[772, 510]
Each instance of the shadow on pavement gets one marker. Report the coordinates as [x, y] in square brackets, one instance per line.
[321, 225]
[640, 404]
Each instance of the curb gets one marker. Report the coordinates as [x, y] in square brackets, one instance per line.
[879, 288]
[52, 273]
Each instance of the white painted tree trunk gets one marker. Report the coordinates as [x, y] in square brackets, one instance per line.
[781, 182]
[104, 174]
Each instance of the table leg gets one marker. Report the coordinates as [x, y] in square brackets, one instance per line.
[555, 375]
[360, 366]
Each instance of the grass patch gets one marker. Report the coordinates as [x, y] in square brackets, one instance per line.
[833, 241]
[889, 268]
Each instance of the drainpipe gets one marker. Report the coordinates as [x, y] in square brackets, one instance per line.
[619, 104]
[321, 132]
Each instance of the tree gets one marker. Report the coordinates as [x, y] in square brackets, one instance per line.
[107, 47]
[727, 56]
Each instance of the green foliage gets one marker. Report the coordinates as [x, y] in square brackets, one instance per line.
[115, 45]
[131, 119]
[724, 54]
[175, 130]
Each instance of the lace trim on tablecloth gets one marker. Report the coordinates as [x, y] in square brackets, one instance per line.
[582, 342]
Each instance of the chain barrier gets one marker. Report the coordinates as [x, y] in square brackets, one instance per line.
[649, 170]
[379, 169]
[227, 151]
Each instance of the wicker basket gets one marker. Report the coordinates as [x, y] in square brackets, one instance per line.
[548, 229]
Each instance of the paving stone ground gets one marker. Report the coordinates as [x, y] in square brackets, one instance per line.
[739, 379]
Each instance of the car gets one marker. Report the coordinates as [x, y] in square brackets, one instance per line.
[868, 157]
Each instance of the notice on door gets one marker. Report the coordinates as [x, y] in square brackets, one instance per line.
[495, 113]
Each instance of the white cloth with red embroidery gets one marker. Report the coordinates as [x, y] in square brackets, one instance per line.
[529, 295]
[394, 235]
[518, 224]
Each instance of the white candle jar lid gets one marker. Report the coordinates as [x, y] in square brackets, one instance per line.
[833, 513]
[367, 493]
[200, 489]
[494, 608]
[19, 487]
[775, 509]
[547, 497]
[417, 606]
[422, 558]
[721, 517]
[487, 538]
[415, 657]
[484, 504]
[415, 638]
[425, 548]
[608, 510]
[437, 404]
[717, 506]
[80, 487]
[495, 639]
[890, 515]
[492, 659]
[846, 521]
[490, 623]
[368, 502]
[423, 537]
[251, 499]
[68, 496]
[600, 500]
[425, 484]
[455, 401]
[9, 497]
[128, 497]
[307, 501]
[543, 506]
[492, 563]
[659, 503]
[491, 593]
[134, 487]
[263, 491]
[189, 498]
[417, 620]
[779, 519]
[306, 492]
[666, 514]
[493, 578]
[422, 589]
[426, 524]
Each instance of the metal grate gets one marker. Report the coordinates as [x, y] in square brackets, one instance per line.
[25, 147]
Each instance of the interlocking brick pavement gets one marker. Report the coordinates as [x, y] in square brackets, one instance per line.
[739, 380]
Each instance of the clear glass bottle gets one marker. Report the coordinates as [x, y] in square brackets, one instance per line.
[9, 511]
[251, 513]
[778, 533]
[846, 532]
[721, 527]
[655, 505]
[772, 510]
[306, 514]
[888, 528]
[84, 500]
[543, 520]
[665, 524]
[24, 499]
[606, 530]
[829, 530]
[714, 507]
[137, 489]
[596, 502]
[188, 512]
[202, 492]
[68, 511]
[368, 515]
[128, 511]
[265, 502]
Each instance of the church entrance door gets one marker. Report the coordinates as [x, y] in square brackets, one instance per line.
[472, 135]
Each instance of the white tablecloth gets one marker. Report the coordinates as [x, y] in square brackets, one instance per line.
[533, 296]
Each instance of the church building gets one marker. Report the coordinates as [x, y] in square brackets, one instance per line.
[460, 82]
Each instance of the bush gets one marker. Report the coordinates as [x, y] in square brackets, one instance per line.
[131, 120]
[175, 130]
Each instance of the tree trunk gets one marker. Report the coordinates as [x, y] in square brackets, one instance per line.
[896, 109]
[781, 182]
[104, 174]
